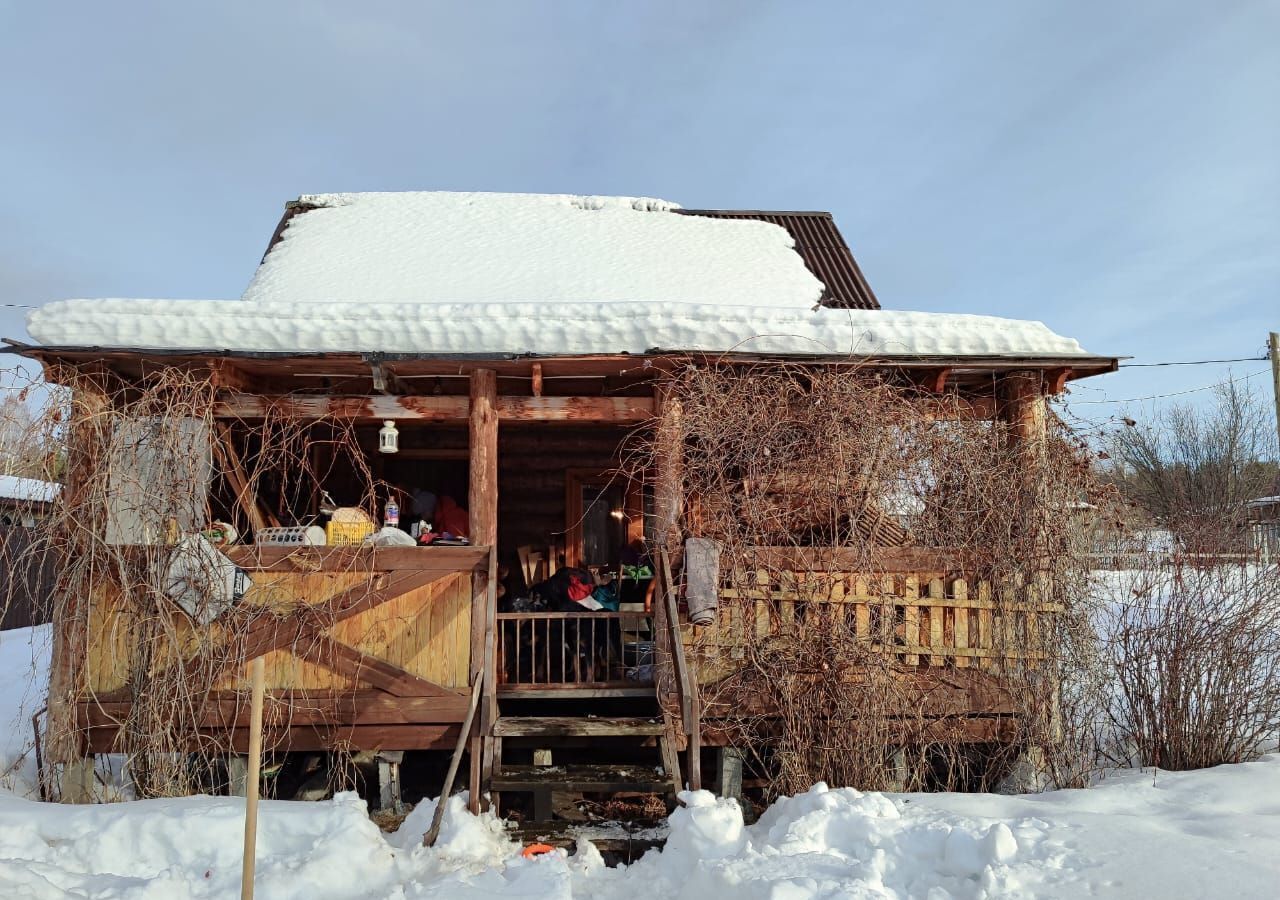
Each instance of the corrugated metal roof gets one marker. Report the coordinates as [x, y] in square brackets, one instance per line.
[820, 244]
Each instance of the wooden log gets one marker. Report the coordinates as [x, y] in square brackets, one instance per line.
[668, 495]
[326, 738]
[252, 782]
[572, 726]
[437, 818]
[1023, 407]
[300, 709]
[483, 424]
[233, 470]
[442, 409]
[87, 448]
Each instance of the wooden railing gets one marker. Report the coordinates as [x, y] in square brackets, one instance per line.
[571, 650]
[923, 621]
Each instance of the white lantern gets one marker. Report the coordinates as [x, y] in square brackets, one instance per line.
[388, 437]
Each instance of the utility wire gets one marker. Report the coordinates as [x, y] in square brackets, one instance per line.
[1174, 393]
[1195, 362]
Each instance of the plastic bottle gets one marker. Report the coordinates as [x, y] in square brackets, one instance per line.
[391, 515]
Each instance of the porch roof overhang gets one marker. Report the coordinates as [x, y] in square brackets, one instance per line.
[601, 383]
[433, 363]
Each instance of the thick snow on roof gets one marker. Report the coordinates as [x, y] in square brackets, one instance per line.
[553, 274]
[28, 490]
[542, 328]
[443, 247]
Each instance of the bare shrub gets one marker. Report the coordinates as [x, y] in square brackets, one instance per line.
[147, 463]
[845, 466]
[1196, 656]
[1194, 470]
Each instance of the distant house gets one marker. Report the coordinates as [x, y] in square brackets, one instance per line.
[1264, 527]
[25, 501]
[26, 578]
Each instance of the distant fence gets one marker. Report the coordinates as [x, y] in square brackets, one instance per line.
[26, 578]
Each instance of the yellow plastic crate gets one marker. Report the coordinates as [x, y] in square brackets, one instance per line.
[347, 532]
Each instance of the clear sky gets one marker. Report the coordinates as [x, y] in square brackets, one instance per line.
[1112, 169]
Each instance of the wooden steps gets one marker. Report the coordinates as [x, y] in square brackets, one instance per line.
[593, 779]
[544, 781]
[572, 726]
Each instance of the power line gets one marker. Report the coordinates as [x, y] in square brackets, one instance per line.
[1194, 362]
[1174, 393]
[18, 306]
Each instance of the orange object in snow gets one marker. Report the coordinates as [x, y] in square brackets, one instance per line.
[533, 850]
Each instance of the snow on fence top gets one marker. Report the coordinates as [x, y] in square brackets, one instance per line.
[526, 273]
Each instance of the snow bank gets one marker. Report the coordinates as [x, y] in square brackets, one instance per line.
[528, 327]
[1141, 834]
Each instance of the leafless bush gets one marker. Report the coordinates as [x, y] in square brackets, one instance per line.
[147, 464]
[1196, 655]
[1195, 470]
[846, 466]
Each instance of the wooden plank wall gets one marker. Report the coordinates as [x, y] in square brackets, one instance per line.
[426, 631]
[531, 479]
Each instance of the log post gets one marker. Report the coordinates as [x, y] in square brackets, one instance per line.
[483, 497]
[668, 490]
[483, 509]
[1022, 405]
[81, 520]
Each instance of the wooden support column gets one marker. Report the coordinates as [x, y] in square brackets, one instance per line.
[668, 490]
[483, 496]
[1022, 405]
[483, 509]
[87, 452]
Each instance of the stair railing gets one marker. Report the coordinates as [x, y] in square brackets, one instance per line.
[686, 680]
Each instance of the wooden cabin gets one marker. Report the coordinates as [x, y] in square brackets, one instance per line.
[517, 346]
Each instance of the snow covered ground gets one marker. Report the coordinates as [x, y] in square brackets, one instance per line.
[24, 682]
[1138, 834]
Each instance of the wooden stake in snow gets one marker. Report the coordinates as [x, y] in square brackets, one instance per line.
[259, 678]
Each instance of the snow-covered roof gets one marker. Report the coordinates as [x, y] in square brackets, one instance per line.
[28, 490]
[443, 247]
[542, 328]
[458, 273]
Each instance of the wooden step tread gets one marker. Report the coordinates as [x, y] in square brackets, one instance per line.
[536, 692]
[555, 726]
[584, 779]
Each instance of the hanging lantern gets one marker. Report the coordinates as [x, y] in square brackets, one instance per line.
[388, 437]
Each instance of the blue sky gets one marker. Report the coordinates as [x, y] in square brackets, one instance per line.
[1111, 169]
